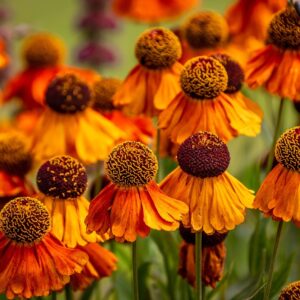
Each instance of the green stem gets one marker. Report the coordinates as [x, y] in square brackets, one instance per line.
[98, 179]
[69, 292]
[272, 263]
[158, 176]
[198, 263]
[135, 271]
[276, 133]
[203, 291]
[53, 296]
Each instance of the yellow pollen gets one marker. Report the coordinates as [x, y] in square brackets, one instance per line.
[291, 292]
[203, 78]
[287, 151]
[131, 164]
[42, 50]
[158, 48]
[206, 30]
[24, 220]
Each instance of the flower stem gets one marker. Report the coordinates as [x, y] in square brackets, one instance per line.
[53, 296]
[271, 269]
[198, 263]
[69, 292]
[158, 176]
[276, 133]
[135, 271]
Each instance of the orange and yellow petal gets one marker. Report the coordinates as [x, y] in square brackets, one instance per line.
[68, 217]
[101, 264]
[279, 195]
[36, 270]
[215, 203]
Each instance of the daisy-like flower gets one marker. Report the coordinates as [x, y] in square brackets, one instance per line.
[155, 80]
[70, 126]
[33, 261]
[213, 257]
[204, 33]
[15, 163]
[275, 66]
[137, 128]
[216, 200]
[279, 193]
[151, 11]
[290, 292]
[203, 105]
[62, 181]
[132, 203]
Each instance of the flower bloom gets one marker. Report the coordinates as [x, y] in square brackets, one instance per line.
[292, 291]
[132, 203]
[155, 80]
[275, 66]
[33, 261]
[73, 125]
[213, 257]
[202, 105]
[279, 193]
[151, 11]
[216, 200]
[136, 128]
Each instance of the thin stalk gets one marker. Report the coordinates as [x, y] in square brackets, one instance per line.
[135, 272]
[198, 263]
[69, 292]
[272, 263]
[158, 176]
[98, 178]
[53, 296]
[276, 133]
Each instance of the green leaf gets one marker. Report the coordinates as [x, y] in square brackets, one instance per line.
[143, 275]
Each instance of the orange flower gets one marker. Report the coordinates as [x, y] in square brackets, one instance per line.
[139, 128]
[279, 193]
[155, 80]
[132, 203]
[292, 291]
[275, 66]
[203, 105]
[33, 261]
[15, 163]
[216, 200]
[62, 181]
[213, 257]
[101, 264]
[69, 126]
[151, 11]
[4, 58]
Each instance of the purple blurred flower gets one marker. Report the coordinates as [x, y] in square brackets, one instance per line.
[97, 20]
[96, 54]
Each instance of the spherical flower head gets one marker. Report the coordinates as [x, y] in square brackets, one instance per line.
[131, 164]
[234, 71]
[203, 155]
[62, 177]
[206, 30]
[292, 291]
[208, 240]
[203, 77]
[43, 50]
[15, 157]
[287, 151]
[67, 94]
[103, 92]
[284, 30]
[24, 220]
[158, 48]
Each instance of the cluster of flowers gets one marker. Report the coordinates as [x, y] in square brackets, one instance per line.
[73, 118]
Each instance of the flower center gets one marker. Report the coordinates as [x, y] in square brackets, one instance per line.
[234, 71]
[292, 291]
[62, 177]
[67, 94]
[158, 48]
[24, 220]
[203, 77]
[131, 164]
[103, 92]
[208, 240]
[284, 30]
[42, 50]
[15, 158]
[206, 30]
[287, 150]
[203, 155]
